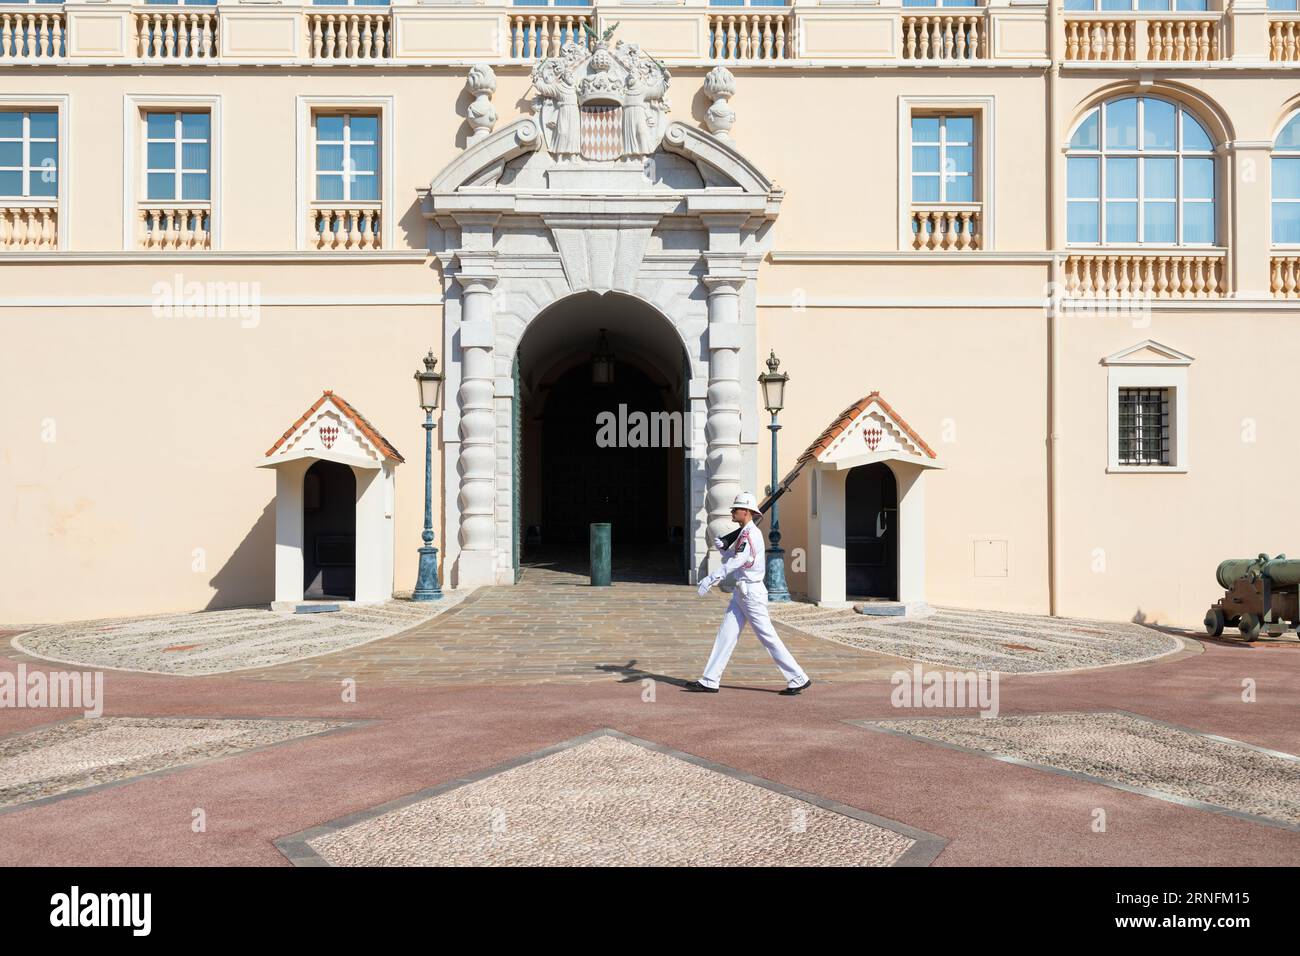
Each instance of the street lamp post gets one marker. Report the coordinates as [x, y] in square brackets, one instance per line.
[773, 383]
[430, 385]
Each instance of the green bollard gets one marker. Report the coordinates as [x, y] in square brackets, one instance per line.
[600, 555]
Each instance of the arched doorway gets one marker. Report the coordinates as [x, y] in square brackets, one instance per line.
[329, 519]
[601, 436]
[871, 532]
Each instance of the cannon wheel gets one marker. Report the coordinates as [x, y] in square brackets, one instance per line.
[1249, 626]
[1214, 621]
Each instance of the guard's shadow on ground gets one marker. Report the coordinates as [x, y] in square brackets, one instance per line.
[632, 674]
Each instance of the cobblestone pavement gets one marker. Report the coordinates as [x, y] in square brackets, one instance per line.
[80, 754]
[613, 802]
[216, 642]
[985, 640]
[554, 626]
[1130, 751]
[404, 742]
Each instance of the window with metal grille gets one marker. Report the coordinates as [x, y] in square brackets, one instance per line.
[1144, 426]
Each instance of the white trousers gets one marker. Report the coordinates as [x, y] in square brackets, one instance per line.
[749, 604]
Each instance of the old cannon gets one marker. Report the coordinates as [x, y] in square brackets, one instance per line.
[1260, 594]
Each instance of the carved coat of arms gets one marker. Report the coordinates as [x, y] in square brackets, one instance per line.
[601, 103]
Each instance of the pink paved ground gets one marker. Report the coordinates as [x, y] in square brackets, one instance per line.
[991, 812]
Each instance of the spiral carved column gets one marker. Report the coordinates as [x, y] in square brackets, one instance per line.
[477, 464]
[722, 424]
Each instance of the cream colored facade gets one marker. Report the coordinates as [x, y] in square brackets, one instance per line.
[131, 429]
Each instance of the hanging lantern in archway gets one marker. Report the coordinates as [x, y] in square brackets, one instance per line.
[602, 363]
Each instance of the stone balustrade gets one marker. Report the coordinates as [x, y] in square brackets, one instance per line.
[344, 226]
[36, 35]
[1092, 39]
[750, 35]
[27, 228]
[183, 34]
[1159, 275]
[1284, 40]
[495, 32]
[1284, 276]
[1145, 36]
[540, 33]
[944, 36]
[1181, 41]
[174, 226]
[349, 37]
[946, 227]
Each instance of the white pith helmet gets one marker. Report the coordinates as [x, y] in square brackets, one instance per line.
[745, 500]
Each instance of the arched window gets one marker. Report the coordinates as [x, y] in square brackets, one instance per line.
[1286, 184]
[1140, 171]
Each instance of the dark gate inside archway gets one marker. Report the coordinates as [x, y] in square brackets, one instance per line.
[602, 438]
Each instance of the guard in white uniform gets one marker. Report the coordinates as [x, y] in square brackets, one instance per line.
[744, 559]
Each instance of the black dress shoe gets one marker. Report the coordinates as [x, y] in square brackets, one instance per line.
[796, 691]
[696, 687]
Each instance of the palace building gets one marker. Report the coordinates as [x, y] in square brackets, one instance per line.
[1032, 267]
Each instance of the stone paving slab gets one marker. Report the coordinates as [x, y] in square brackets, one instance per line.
[217, 642]
[555, 627]
[985, 640]
[612, 800]
[1133, 753]
[77, 755]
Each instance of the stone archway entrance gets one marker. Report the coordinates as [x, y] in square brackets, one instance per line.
[603, 435]
[666, 214]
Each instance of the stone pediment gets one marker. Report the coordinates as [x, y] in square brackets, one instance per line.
[332, 430]
[598, 126]
[868, 430]
[1149, 352]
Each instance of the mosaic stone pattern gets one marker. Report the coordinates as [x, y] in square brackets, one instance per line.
[610, 802]
[1124, 749]
[216, 642]
[984, 640]
[78, 754]
[553, 627]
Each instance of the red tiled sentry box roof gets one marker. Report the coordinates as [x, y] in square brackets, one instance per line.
[847, 417]
[358, 419]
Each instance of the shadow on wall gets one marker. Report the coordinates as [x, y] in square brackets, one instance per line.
[249, 576]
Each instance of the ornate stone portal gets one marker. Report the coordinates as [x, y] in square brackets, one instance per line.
[596, 191]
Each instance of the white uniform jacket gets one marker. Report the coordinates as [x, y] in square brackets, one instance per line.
[745, 558]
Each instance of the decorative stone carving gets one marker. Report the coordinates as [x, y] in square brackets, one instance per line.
[481, 115]
[605, 104]
[720, 86]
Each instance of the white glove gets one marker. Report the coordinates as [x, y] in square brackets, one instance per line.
[720, 544]
[705, 585]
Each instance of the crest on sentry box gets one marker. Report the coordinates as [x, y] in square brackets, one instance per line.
[601, 103]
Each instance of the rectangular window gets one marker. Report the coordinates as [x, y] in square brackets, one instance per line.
[178, 154]
[943, 158]
[1144, 426]
[29, 154]
[347, 157]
